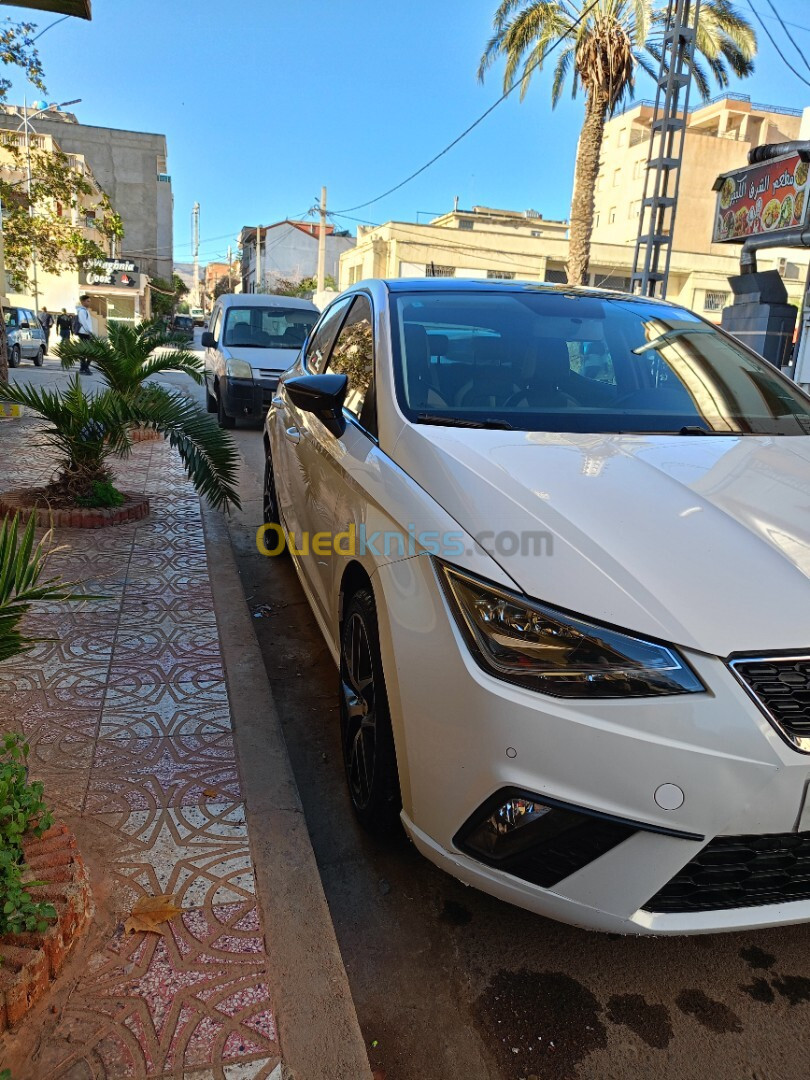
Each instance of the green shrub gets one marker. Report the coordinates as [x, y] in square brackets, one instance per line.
[102, 494]
[21, 809]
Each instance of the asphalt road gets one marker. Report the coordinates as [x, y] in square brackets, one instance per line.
[450, 984]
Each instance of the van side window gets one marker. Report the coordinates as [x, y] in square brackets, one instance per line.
[321, 341]
[217, 326]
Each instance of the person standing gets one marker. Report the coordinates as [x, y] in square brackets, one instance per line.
[83, 328]
[46, 322]
[63, 325]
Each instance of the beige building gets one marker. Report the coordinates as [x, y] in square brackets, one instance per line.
[116, 287]
[488, 243]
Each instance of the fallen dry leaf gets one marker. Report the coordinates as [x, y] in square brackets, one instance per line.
[210, 792]
[150, 912]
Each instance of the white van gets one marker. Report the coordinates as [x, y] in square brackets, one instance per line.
[251, 339]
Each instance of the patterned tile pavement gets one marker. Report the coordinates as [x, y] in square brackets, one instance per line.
[125, 706]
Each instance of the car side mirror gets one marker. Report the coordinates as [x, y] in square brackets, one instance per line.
[208, 340]
[25, 326]
[321, 395]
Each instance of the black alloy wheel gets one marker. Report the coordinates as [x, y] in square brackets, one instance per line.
[39, 359]
[369, 757]
[14, 356]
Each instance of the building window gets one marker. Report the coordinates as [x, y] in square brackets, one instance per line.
[623, 137]
[537, 232]
[60, 210]
[612, 215]
[635, 209]
[638, 168]
[434, 270]
[556, 275]
[596, 218]
[715, 301]
[500, 275]
[600, 182]
[465, 223]
[89, 219]
[617, 177]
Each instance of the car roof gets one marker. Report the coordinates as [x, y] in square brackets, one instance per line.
[264, 300]
[471, 285]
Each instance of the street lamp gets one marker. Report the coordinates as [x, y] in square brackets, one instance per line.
[26, 124]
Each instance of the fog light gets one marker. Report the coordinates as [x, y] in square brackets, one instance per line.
[505, 831]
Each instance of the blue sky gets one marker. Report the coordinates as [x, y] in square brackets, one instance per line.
[262, 102]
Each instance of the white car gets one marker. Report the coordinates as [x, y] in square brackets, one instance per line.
[558, 542]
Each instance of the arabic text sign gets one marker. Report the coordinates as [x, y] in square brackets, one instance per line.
[762, 199]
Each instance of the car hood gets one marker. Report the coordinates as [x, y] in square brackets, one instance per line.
[261, 360]
[701, 541]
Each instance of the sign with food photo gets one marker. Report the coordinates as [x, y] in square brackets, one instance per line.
[761, 199]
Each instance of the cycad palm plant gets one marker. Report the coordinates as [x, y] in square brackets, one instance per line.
[605, 42]
[87, 429]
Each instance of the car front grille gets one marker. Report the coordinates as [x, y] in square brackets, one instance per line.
[740, 871]
[781, 687]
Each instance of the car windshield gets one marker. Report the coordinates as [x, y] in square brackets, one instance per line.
[268, 327]
[548, 360]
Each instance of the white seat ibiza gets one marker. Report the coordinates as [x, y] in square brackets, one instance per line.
[558, 542]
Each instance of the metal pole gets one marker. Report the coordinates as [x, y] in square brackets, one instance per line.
[230, 263]
[322, 245]
[195, 218]
[30, 206]
[258, 282]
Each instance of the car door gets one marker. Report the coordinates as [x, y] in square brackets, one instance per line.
[331, 499]
[211, 354]
[27, 343]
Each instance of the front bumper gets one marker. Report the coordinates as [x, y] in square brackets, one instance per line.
[463, 735]
[247, 398]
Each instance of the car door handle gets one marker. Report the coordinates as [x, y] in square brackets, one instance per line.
[293, 434]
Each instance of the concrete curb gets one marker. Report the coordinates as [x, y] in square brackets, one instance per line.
[319, 1033]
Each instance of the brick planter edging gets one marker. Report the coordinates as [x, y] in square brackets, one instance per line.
[135, 508]
[30, 961]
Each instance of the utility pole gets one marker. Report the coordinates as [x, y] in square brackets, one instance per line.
[30, 204]
[322, 244]
[257, 285]
[230, 264]
[195, 228]
[656, 223]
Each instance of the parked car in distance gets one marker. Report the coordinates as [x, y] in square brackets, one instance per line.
[197, 316]
[26, 338]
[183, 325]
[557, 542]
[251, 339]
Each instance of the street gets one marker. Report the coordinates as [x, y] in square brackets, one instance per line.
[450, 984]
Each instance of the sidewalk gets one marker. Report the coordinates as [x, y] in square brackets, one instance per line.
[127, 712]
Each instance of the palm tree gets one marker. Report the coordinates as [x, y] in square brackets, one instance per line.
[129, 355]
[86, 430]
[601, 53]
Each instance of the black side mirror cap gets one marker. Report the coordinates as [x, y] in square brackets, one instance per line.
[25, 326]
[321, 395]
[208, 341]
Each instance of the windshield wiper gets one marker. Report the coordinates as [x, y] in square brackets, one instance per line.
[458, 421]
[696, 429]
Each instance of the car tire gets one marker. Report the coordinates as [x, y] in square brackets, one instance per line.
[367, 738]
[223, 419]
[270, 511]
[210, 401]
[14, 356]
[39, 359]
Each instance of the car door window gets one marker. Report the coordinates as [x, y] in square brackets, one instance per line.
[321, 341]
[217, 326]
[353, 355]
[11, 317]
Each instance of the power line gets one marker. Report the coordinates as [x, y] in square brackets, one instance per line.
[772, 40]
[781, 22]
[526, 73]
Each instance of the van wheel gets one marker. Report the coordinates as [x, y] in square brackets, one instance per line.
[39, 358]
[14, 356]
[210, 401]
[223, 419]
[365, 720]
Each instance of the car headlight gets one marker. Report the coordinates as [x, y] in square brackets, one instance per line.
[238, 369]
[549, 651]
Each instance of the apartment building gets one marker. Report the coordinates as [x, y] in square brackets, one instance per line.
[131, 166]
[719, 135]
[288, 250]
[116, 285]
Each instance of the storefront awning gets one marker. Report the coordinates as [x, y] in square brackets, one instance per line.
[79, 8]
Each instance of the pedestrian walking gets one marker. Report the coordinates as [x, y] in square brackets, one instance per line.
[63, 325]
[83, 328]
[46, 322]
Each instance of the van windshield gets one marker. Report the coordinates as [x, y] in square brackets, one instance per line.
[577, 362]
[268, 327]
